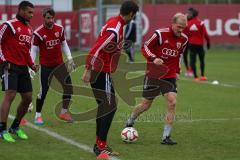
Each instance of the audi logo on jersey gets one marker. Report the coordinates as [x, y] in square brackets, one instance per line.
[25, 38]
[52, 43]
[170, 52]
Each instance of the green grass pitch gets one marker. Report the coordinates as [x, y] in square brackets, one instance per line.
[206, 127]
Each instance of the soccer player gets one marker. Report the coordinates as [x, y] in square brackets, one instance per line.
[239, 32]
[186, 56]
[101, 62]
[49, 40]
[130, 37]
[164, 48]
[197, 34]
[15, 43]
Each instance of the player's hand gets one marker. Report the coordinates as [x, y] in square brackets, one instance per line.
[178, 76]
[30, 107]
[35, 67]
[32, 73]
[71, 65]
[5, 65]
[86, 76]
[208, 45]
[158, 61]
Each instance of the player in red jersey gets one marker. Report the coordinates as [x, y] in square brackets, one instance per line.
[197, 34]
[186, 56]
[101, 62]
[49, 40]
[164, 48]
[15, 43]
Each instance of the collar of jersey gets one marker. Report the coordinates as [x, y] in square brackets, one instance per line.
[23, 20]
[121, 20]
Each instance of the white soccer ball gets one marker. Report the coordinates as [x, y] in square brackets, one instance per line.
[129, 134]
[215, 82]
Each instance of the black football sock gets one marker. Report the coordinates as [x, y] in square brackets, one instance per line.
[39, 105]
[15, 124]
[106, 122]
[3, 126]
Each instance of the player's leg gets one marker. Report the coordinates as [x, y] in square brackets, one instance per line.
[9, 85]
[171, 104]
[171, 99]
[186, 56]
[24, 87]
[193, 61]
[143, 106]
[4, 111]
[64, 78]
[128, 52]
[151, 89]
[21, 111]
[132, 51]
[202, 62]
[23, 105]
[44, 73]
[5, 105]
[105, 95]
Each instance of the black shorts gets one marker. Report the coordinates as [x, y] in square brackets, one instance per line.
[153, 87]
[196, 49]
[104, 93]
[16, 78]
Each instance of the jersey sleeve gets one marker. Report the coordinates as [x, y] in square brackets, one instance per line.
[29, 60]
[66, 50]
[4, 30]
[33, 52]
[148, 47]
[205, 33]
[113, 28]
[63, 37]
[36, 39]
[107, 40]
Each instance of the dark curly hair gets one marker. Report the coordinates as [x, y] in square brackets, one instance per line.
[193, 11]
[127, 7]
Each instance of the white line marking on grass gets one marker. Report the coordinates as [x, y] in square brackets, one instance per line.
[192, 120]
[209, 82]
[61, 138]
[211, 119]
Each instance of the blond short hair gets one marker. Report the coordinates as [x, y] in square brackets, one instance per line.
[178, 16]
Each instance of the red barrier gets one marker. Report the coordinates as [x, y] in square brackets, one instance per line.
[222, 21]
[88, 26]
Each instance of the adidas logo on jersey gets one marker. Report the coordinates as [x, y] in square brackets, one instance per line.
[57, 34]
[19, 29]
[193, 28]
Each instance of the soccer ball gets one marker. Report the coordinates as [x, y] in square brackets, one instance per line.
[129, 134]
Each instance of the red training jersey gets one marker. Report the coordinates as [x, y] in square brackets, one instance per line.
[49, 42]
[104, 55]
[15, 42]
[197, 32]
[164, 45]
